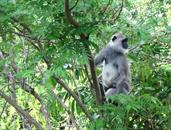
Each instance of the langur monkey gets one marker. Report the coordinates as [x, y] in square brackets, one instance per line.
[116, 71]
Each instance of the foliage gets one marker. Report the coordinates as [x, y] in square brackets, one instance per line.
[42, 55]
[131, 113]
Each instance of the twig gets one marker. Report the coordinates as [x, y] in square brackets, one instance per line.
[104, 20]
[119, 12]
[74, 5]
[137, 46]
[159, 59]
[106, 7]
[3, 109]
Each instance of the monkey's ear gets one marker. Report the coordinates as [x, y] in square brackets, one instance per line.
[114, 38]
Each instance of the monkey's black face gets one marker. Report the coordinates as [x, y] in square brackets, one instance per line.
[125, 43]
[119, 42]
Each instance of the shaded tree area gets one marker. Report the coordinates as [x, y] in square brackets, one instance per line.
[48, 79]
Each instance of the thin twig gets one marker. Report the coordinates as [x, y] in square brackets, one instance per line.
[3, 109]
[74, 5]
[106, 7]
[104, 20]
[114, 19]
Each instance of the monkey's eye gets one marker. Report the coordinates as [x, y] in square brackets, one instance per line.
[114, 38]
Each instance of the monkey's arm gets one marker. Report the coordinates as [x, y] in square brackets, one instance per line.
[100, 57]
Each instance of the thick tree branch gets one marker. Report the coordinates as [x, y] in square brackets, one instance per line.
[68, 14]
[84, 38]
[93, 72]
[21, 111]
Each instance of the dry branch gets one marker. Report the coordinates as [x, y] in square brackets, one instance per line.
[21, 111]
[31, 91]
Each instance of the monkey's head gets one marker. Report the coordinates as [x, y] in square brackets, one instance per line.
[119, 42]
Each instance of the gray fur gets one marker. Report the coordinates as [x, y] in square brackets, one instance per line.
[116, 70]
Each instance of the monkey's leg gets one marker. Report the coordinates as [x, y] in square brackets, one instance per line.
[124, 87]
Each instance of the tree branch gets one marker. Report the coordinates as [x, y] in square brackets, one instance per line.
[72, 117]
[21, 111]
[65, 86]
[22, 24]
[84, 38]
[59, 81]
[106, 7]
[68, 14]
[31, 91]
[99, 99]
